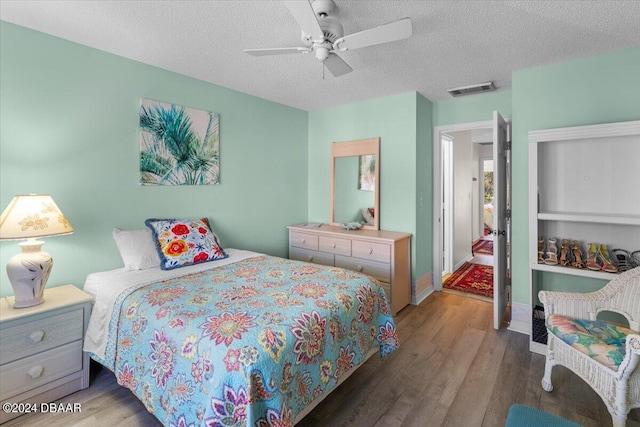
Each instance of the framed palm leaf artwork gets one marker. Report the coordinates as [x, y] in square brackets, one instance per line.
[178, 145]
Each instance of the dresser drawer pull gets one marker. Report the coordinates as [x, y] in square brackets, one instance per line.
[36, 336]
[359, 268]
[304, 241]
[310, 258]
[334, 245]
[35, 371]
[370, 250]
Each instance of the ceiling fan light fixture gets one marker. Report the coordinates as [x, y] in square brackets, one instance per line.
[471, 89]
[322, 53]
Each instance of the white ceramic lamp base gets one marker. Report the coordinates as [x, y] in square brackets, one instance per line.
[28, 273]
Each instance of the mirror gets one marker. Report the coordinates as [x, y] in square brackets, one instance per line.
[355, 177]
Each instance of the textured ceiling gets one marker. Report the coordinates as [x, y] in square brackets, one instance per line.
[454, 43]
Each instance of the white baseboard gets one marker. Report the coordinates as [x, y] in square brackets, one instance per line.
[520, 318]
[417, 299]
[468, 258]
[422, 288]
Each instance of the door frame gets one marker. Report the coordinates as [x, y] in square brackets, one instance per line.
[437, 189]
[437, 192]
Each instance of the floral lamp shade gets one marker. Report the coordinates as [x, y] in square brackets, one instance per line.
[29, 217]
[33, 215]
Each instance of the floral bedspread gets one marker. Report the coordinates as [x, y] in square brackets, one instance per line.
[246, 344]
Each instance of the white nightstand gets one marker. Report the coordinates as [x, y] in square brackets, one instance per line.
[41, 357]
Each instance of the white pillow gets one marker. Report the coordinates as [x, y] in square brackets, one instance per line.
[137, 248]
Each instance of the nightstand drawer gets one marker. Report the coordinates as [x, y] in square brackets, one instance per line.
[374, 251]
[25, 339]
[311, 256]
[335, 245]
[31, 372]
[377, 270]
[303, 240]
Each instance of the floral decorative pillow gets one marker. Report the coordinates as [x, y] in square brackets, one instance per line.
[184, 242]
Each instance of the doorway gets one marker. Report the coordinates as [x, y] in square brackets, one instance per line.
[472, 190]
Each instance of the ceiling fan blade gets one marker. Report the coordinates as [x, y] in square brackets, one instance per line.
[391, 32]
[276, 51]
[336, 65]
[305, 17]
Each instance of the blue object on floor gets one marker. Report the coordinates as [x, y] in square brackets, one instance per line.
[525, 416]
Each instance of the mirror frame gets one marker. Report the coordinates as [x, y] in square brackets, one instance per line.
[361, 147]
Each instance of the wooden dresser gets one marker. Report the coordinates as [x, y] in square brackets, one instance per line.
[384, 255]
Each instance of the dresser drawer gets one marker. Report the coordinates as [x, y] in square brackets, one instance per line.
[378, 270]
[374, 251]
[25, 339]
[335, 245]
[304, 240]
[34, 371]
[311, 256]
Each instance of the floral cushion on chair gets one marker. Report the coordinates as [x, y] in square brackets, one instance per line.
[602, 341]
[184, 242]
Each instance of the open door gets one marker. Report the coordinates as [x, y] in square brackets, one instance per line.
[501, 222]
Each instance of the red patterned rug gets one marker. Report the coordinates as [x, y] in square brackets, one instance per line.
[473, 279]
[482, 246]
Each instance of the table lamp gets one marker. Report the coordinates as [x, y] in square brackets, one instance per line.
[29, 217]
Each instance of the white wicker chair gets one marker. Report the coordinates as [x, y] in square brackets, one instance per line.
[620, 390]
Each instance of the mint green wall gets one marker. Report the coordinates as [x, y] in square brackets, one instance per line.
[597, 89]
[393, 119]
[69, 127]
[424, 187]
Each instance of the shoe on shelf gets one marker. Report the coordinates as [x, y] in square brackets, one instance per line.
[564, 253]
[552, 252]
[540, 250]
[623, 259]
[578, 261]
[607, 265]
[592, 257]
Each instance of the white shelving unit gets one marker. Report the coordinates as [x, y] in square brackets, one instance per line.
[584, 184]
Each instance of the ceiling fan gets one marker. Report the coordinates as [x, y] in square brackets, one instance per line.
[324, 35]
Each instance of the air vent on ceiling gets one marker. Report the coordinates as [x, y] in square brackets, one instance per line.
[468, 90]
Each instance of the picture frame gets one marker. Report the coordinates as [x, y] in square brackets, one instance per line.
[178, 145]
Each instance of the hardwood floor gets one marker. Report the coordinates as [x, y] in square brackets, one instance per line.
[452, 369]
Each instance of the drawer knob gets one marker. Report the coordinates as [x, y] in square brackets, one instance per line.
[36, 336]
[35, 371]
[334, 246]
[304, 240]
[360, 268]
[310, 258]
[370, 250]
